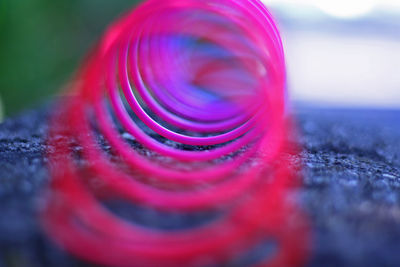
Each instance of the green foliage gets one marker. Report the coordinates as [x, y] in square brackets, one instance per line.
[43, 41]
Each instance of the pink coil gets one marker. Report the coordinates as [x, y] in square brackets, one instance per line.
[200, 85]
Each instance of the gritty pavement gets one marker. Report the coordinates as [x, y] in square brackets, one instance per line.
[351, 188]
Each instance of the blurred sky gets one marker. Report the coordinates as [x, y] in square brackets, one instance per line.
[342, 53]
[339, 52]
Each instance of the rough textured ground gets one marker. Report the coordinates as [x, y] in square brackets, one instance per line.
[351, 188]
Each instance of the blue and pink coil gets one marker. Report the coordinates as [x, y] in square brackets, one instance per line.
[180, 109]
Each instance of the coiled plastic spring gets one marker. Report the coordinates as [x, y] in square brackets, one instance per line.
[179, 112]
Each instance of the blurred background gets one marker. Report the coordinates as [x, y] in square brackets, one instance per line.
[340, 53]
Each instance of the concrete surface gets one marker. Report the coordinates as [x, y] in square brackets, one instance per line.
[351, 188]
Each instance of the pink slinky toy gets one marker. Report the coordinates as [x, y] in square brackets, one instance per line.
[172, 149]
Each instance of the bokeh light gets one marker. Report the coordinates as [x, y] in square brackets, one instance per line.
[346, 8]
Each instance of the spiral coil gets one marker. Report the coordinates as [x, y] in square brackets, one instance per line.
[179, 110]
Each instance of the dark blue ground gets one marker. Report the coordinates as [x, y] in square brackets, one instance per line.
[351, 188]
